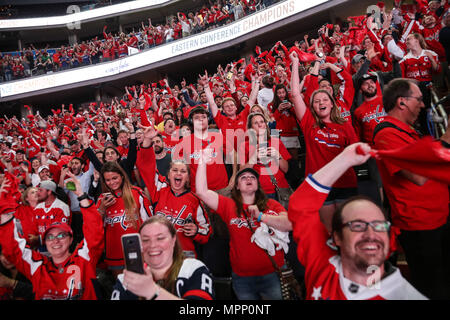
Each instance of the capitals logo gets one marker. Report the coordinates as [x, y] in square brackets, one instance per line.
[120, 219]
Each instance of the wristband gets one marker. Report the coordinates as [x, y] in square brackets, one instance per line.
[83, 196]
[259, 217]
[156, 293]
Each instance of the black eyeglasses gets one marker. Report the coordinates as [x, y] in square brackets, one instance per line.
[361, 226]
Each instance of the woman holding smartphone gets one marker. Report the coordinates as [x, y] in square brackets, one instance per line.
[168, 275]
[124, 208]
[265, 154]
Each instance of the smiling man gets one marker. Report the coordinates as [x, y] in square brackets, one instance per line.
[358, 270]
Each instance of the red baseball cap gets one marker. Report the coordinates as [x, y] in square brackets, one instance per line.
[61, 225]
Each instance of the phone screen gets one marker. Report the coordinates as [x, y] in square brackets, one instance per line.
[70, 186]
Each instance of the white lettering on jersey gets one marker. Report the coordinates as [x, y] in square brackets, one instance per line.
[207, 283]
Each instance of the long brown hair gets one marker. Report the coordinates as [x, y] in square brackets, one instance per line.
[129, 202]
[335, 115]
[170, 278]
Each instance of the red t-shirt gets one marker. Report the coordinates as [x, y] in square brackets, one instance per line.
[247, 150]
[246, 257]
[189, 148]
[367, 116]
[413, 207]
[324, 144]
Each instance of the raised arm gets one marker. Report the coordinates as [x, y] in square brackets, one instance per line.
[299, 104]
[209, 197]
[204, 81]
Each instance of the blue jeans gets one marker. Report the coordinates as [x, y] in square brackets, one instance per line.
[257, 287]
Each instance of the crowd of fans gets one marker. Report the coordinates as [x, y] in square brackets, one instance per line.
[31, 61]
[215, 159]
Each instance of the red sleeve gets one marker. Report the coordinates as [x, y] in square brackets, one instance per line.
[146, 164]
[303, 212]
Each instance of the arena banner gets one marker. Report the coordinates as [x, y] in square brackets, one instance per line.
[78, 16]
[203, 40]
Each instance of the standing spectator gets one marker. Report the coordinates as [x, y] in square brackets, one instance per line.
[124, 208]
[253, 276]
[326, 134]
[415, 209]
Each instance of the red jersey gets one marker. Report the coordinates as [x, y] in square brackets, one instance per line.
[76, 278]
[324, 276]
[367, 116]
[286, 122]
[420, 67]
[44, 216]
[170, 141]
[189, 148]
[116, 225]
[431, 36]
[324, 144]
[413, 207]
[246, 257]
[25, 218]
[176, 208]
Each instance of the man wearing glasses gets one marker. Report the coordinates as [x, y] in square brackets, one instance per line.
[358, 270]
[419, 206]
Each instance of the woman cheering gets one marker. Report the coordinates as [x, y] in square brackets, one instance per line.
[248, 210]
[326, 134]
[175, 201]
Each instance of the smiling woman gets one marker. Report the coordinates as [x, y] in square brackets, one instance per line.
[124, 208]
[168, 275]
[326, 134]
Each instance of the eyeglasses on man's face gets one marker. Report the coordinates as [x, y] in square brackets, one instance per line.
[361, 226]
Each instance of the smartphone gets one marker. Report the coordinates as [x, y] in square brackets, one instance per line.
[70, 185]
[131, 245]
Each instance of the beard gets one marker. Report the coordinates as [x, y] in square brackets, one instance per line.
[368, 94]
[366, 263]
[158, 149]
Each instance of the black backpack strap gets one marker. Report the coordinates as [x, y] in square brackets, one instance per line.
[386, 124]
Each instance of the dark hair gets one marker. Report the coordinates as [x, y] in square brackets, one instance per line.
[395, 89]
[268, 81]
[276, 101]
[113, 148]
[336, 222]
[260, 198]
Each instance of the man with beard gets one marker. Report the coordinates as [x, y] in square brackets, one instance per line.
[75, 166]
[49, 208]
[371, 111]
[163, 158]
[359, 269]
